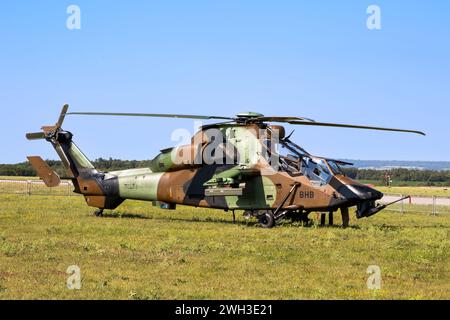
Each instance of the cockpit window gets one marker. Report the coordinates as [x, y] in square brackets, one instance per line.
[316, 170]
[335, 167]
[296, 161]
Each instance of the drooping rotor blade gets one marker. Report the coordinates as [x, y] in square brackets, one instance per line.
[36, 136]
[62, 116]
[154, 115]
[339, 125]
[283, 119]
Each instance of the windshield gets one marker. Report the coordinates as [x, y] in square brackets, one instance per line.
[297, 161]
[316, 170]
[335, 167]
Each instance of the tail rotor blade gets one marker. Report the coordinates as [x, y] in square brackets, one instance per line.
[36, 136]
[62, 116]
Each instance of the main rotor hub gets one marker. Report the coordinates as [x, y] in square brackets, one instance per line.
[247, 117]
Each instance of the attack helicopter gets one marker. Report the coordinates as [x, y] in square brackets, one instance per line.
[243, 163]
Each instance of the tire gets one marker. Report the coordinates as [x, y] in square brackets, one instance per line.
[98, 213]
[267, 220]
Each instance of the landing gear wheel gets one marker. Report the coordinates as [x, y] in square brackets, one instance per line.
[267, 220]
[98, 213]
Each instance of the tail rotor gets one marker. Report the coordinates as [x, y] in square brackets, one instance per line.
[49, 132]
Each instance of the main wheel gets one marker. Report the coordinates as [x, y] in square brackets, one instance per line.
[267, 220]
[99, 213]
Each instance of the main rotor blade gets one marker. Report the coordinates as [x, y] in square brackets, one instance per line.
[339, 125]
[154, 115]
[283, 119]
[36, 136]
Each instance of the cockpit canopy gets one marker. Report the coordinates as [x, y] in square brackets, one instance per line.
[297, 161]
[319, 170]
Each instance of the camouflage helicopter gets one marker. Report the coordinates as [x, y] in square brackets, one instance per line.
[242, 163]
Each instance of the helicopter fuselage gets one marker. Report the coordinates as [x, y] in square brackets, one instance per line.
[176, 177]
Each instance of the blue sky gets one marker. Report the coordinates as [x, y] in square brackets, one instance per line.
[302, 58]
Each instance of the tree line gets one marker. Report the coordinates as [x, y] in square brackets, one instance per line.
[398, 176]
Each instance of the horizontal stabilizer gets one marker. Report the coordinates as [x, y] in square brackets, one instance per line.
[50, 177]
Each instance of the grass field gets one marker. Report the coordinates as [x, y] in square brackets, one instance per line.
[140, 252]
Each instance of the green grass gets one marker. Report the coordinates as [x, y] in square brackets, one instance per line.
[140, 252]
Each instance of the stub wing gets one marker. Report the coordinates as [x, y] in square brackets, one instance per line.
[232, 176]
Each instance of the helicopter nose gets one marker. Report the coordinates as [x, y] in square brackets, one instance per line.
[363, 192]
[356, 192]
